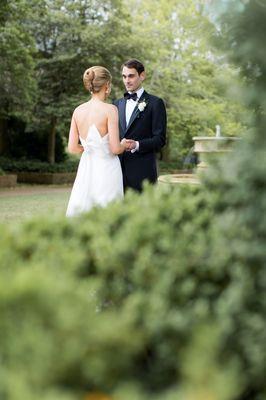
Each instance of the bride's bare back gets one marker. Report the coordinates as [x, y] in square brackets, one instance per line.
[92, 113]
[95, 112]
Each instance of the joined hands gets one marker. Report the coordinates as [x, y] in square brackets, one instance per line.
[128, 144]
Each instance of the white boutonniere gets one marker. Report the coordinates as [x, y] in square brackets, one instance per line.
[142, 105]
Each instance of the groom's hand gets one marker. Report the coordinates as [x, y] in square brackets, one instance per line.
[130, 144]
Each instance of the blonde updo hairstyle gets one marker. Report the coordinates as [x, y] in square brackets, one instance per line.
[95, 77]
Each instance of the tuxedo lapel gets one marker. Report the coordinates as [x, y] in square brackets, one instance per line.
[133, 117]
[136, 111]
[122, 115]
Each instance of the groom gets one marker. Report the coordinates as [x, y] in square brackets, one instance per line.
[142, 121]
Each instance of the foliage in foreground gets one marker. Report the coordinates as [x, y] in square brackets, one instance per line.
[160, 297]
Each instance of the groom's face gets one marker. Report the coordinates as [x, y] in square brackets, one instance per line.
[132, 79]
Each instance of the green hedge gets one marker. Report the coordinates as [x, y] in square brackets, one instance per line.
[13, 165]
[33, 143]
[160, 297]
[70, 165]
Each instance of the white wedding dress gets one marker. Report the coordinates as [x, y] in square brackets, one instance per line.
[99, 177]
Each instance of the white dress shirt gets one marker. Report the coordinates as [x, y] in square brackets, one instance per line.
[130, 105]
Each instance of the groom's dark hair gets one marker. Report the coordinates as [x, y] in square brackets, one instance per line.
[134, 63]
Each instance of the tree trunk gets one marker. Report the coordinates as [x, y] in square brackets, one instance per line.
[51, 141]
[3, 136]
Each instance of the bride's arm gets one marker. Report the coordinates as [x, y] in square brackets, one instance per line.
[116, 146]
[73, 140]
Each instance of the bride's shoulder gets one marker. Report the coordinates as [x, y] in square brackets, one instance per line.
[81, 107]
[80, 110]
[111, 108]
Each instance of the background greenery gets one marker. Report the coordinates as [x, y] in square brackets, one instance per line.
[47, 44]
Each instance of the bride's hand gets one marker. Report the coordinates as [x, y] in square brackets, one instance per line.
[124, 144]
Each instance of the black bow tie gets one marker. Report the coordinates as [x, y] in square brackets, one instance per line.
[129, 96]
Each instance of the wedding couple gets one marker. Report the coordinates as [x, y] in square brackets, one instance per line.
[134, 128]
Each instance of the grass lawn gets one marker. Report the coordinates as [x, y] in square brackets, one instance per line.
[27, 201]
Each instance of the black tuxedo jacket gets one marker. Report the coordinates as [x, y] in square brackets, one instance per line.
[148, 127]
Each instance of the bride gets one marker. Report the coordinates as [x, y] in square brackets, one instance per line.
[94, 133]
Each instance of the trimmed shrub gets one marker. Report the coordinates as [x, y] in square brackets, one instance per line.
[158, 297]
[23, 165]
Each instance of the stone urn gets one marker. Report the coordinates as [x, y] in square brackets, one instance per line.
[207, 147]
[173, 179]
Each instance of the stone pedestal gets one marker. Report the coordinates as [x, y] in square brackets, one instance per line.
[206, 147]
[173, 179]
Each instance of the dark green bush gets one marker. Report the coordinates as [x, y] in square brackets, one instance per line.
[32, 144]
[12, 165]
[70, 165]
